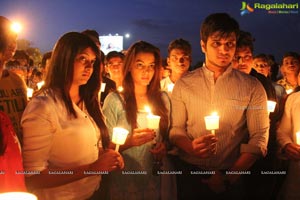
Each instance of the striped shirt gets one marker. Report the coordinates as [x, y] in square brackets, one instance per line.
[239, 100]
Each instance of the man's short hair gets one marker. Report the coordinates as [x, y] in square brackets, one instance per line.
[113, 54]
[291, 54]
[180, 44]
[245, 40]
[221, 23]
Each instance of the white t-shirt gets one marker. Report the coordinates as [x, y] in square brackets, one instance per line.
[53, 140]
[167, 85]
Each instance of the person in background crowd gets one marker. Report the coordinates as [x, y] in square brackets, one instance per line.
[179, 60]
[23, 58]
[290, 67]
[262, 64]
[240, 102]
[288, 137]
[165, 69]
[10, 150]
[15, 99]
[45, 63]
[142, 151]
[35, 78]
[64, 130]
[115, 67]
[259, 186]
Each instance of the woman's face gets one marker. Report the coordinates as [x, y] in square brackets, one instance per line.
[143, 68]
[115, 67]
[83, 66]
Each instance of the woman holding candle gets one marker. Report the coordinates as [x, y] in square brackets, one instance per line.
[127, 109]
[64, 130]
[288, 138]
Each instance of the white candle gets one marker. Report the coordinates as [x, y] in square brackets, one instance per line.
[40, 84]
[152, 120]
[103, 87]
[298, 137]
[289, 91]
[29, 93]
[120, 89]
[119, 136]
[212, 122]
[170, 87]
[271, 106]
[17, 196]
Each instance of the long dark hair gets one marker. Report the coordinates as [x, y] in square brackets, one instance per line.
[153, 89]
[60, 76]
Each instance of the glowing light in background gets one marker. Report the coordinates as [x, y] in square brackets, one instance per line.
[16, 27]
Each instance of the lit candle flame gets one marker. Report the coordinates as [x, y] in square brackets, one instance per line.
[29, 93]
[148, 110]
[120, 89]
[289, 91]
[40, 84]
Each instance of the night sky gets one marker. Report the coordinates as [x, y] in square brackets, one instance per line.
[155, 21]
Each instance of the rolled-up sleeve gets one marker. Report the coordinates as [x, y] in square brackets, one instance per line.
[257, 122]
[38, 130]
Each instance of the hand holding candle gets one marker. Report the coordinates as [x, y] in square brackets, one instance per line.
[212, 122]
[119, 137]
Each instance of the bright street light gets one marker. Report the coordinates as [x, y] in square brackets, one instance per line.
[127, 35]
[16, 27]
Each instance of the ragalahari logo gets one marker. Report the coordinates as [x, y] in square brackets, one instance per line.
[246, 8]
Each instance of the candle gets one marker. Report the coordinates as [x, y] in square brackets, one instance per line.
[120, 89]
[298, 137]
[271, 106]
[152, 120]
[103, 87]
[170, 87]
[17, 196]
[212, 122]
[40, 84]
[29, 93]
[119, 136]
[289, 91]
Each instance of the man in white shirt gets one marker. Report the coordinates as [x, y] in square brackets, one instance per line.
[179, 60]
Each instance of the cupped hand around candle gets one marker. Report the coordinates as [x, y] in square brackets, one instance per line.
[159, 151]
[140, 136]
[292, 151]
[204, 146]
[108, 160]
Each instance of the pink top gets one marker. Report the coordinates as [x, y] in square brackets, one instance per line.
[11, 167]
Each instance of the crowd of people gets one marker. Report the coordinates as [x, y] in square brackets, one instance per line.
[57, 144]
